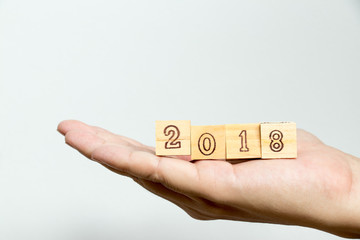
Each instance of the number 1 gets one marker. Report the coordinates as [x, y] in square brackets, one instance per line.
[243, 136]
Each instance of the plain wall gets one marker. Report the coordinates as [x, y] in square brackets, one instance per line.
[124, 64]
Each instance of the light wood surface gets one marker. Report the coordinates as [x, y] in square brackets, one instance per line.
[208, 142]
[231, 141]
[243, 141]
[173, 137]
[278, 140]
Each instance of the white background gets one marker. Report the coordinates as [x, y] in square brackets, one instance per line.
[124, 64]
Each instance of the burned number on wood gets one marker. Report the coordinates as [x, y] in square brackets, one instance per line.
[243, 136]
[173, 141]
[276, 145]
[207, 144]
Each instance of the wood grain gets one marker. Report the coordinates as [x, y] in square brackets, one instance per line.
[173, 137]
[278, 140]
[208, 142]
[243, 141]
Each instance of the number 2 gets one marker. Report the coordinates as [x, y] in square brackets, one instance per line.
[173, 141]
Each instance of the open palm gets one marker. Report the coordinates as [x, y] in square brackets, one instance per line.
[316, 190]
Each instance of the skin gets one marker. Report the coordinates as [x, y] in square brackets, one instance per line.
[320, 189]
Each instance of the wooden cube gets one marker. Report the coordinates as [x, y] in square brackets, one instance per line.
[278, 140]
[173, 137]
[208, 142]
[243, 141]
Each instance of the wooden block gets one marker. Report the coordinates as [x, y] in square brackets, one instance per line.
[173, 137]
[243, 141]
[208, 142]
[278, 140]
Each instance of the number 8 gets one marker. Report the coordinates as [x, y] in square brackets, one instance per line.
[276, 145]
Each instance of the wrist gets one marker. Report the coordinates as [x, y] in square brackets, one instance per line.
[345, 217]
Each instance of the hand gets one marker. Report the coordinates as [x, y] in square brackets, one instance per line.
[319, 189]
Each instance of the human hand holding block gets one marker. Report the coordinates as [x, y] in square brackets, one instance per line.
[273, 191]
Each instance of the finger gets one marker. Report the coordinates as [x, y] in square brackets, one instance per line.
[177, 175]
[123, 173]
[70, 125]
[164, 192]
[184, 202]
[115, 137]
[85, 142]
[198, 208]
[157, 189]
[182, 157]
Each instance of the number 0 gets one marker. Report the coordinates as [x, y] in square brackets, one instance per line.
[207, 144]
